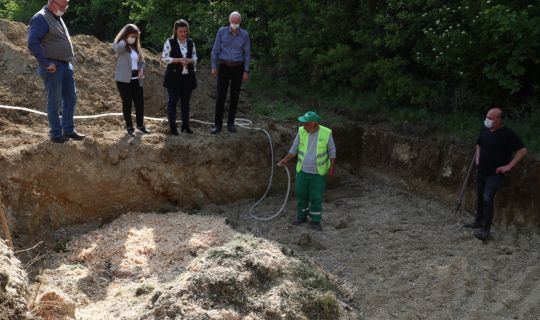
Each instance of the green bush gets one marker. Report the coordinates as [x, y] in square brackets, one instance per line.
[447, 57]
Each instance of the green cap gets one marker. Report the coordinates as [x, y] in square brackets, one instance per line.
[310, 116]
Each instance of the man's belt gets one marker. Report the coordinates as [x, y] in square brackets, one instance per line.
[231, 63]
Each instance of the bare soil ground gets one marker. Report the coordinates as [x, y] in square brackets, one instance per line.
[406, 257]
[401, 256]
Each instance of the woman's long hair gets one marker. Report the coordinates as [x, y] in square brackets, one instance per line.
[123, 35]
[180, 24]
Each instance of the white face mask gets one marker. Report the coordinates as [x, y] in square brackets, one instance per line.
[235, 26]
[131, 40]
[488, 123]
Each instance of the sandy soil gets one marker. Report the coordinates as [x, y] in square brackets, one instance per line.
[402, 256]
[181, 266]
[406, 257]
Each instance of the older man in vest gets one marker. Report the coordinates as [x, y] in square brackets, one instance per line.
[316, 152]
[49, 42]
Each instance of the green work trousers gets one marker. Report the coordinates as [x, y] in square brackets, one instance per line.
[309, 195]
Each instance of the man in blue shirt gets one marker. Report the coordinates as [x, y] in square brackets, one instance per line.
[50, 43]
[231, 55]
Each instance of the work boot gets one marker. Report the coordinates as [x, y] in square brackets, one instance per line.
[76, 136]
[187, 130]
[297, 222]
[143, 129]
[316, 225]
[60, 139]
[481, 234]
[473, 225]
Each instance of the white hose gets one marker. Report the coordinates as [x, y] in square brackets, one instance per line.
[241, 122]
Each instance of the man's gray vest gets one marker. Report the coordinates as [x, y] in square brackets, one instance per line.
[56, 44]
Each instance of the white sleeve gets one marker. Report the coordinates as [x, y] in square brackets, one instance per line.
[166, 55]
[194, 55]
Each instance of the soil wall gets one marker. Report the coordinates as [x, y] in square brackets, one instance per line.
[438, 168]
[47, 186]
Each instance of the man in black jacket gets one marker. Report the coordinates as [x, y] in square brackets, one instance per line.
[498, 150]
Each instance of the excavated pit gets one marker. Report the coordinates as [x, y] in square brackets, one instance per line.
[156, 227]
[47, 186]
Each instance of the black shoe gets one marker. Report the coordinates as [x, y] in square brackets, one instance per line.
[231, 127]
[481, 234]
[143, 129]
[297, 222]
[215, 130]
[131, 132]
[174, 132]
[316, 225]
[473, 225]
[186, 130]
[76, 136]
[60, 139]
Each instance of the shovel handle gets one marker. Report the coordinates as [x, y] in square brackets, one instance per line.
[465, 182]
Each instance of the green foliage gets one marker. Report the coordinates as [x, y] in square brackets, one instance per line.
[435, 56]
[20, 10]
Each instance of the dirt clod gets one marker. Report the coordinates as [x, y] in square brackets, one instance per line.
[54, 305]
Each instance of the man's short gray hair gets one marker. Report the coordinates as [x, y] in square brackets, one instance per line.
[235, 14]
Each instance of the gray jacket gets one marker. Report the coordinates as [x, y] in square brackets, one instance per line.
[123, 63]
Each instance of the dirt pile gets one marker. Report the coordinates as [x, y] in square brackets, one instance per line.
[250, 278]
[94, 66]
[46, 185]
[13, 286]
[180, 266]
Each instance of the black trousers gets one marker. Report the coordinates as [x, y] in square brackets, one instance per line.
[132, 93]
[487, 186]
[233, 75]
[182, 93]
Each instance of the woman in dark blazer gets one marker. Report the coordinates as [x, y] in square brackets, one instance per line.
[181, 57]
[129, 75]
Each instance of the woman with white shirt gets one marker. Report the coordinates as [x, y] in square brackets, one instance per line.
[129, 75]
[181, 57]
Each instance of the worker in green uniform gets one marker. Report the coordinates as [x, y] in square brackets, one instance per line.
[316, 152]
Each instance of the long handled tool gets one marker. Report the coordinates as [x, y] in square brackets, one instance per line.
[5, 226]
[465, 182]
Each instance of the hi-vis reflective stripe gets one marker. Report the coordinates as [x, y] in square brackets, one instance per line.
[301, 155]
[315, 213]
[321, 163]
[304, 210]
[322, 159]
